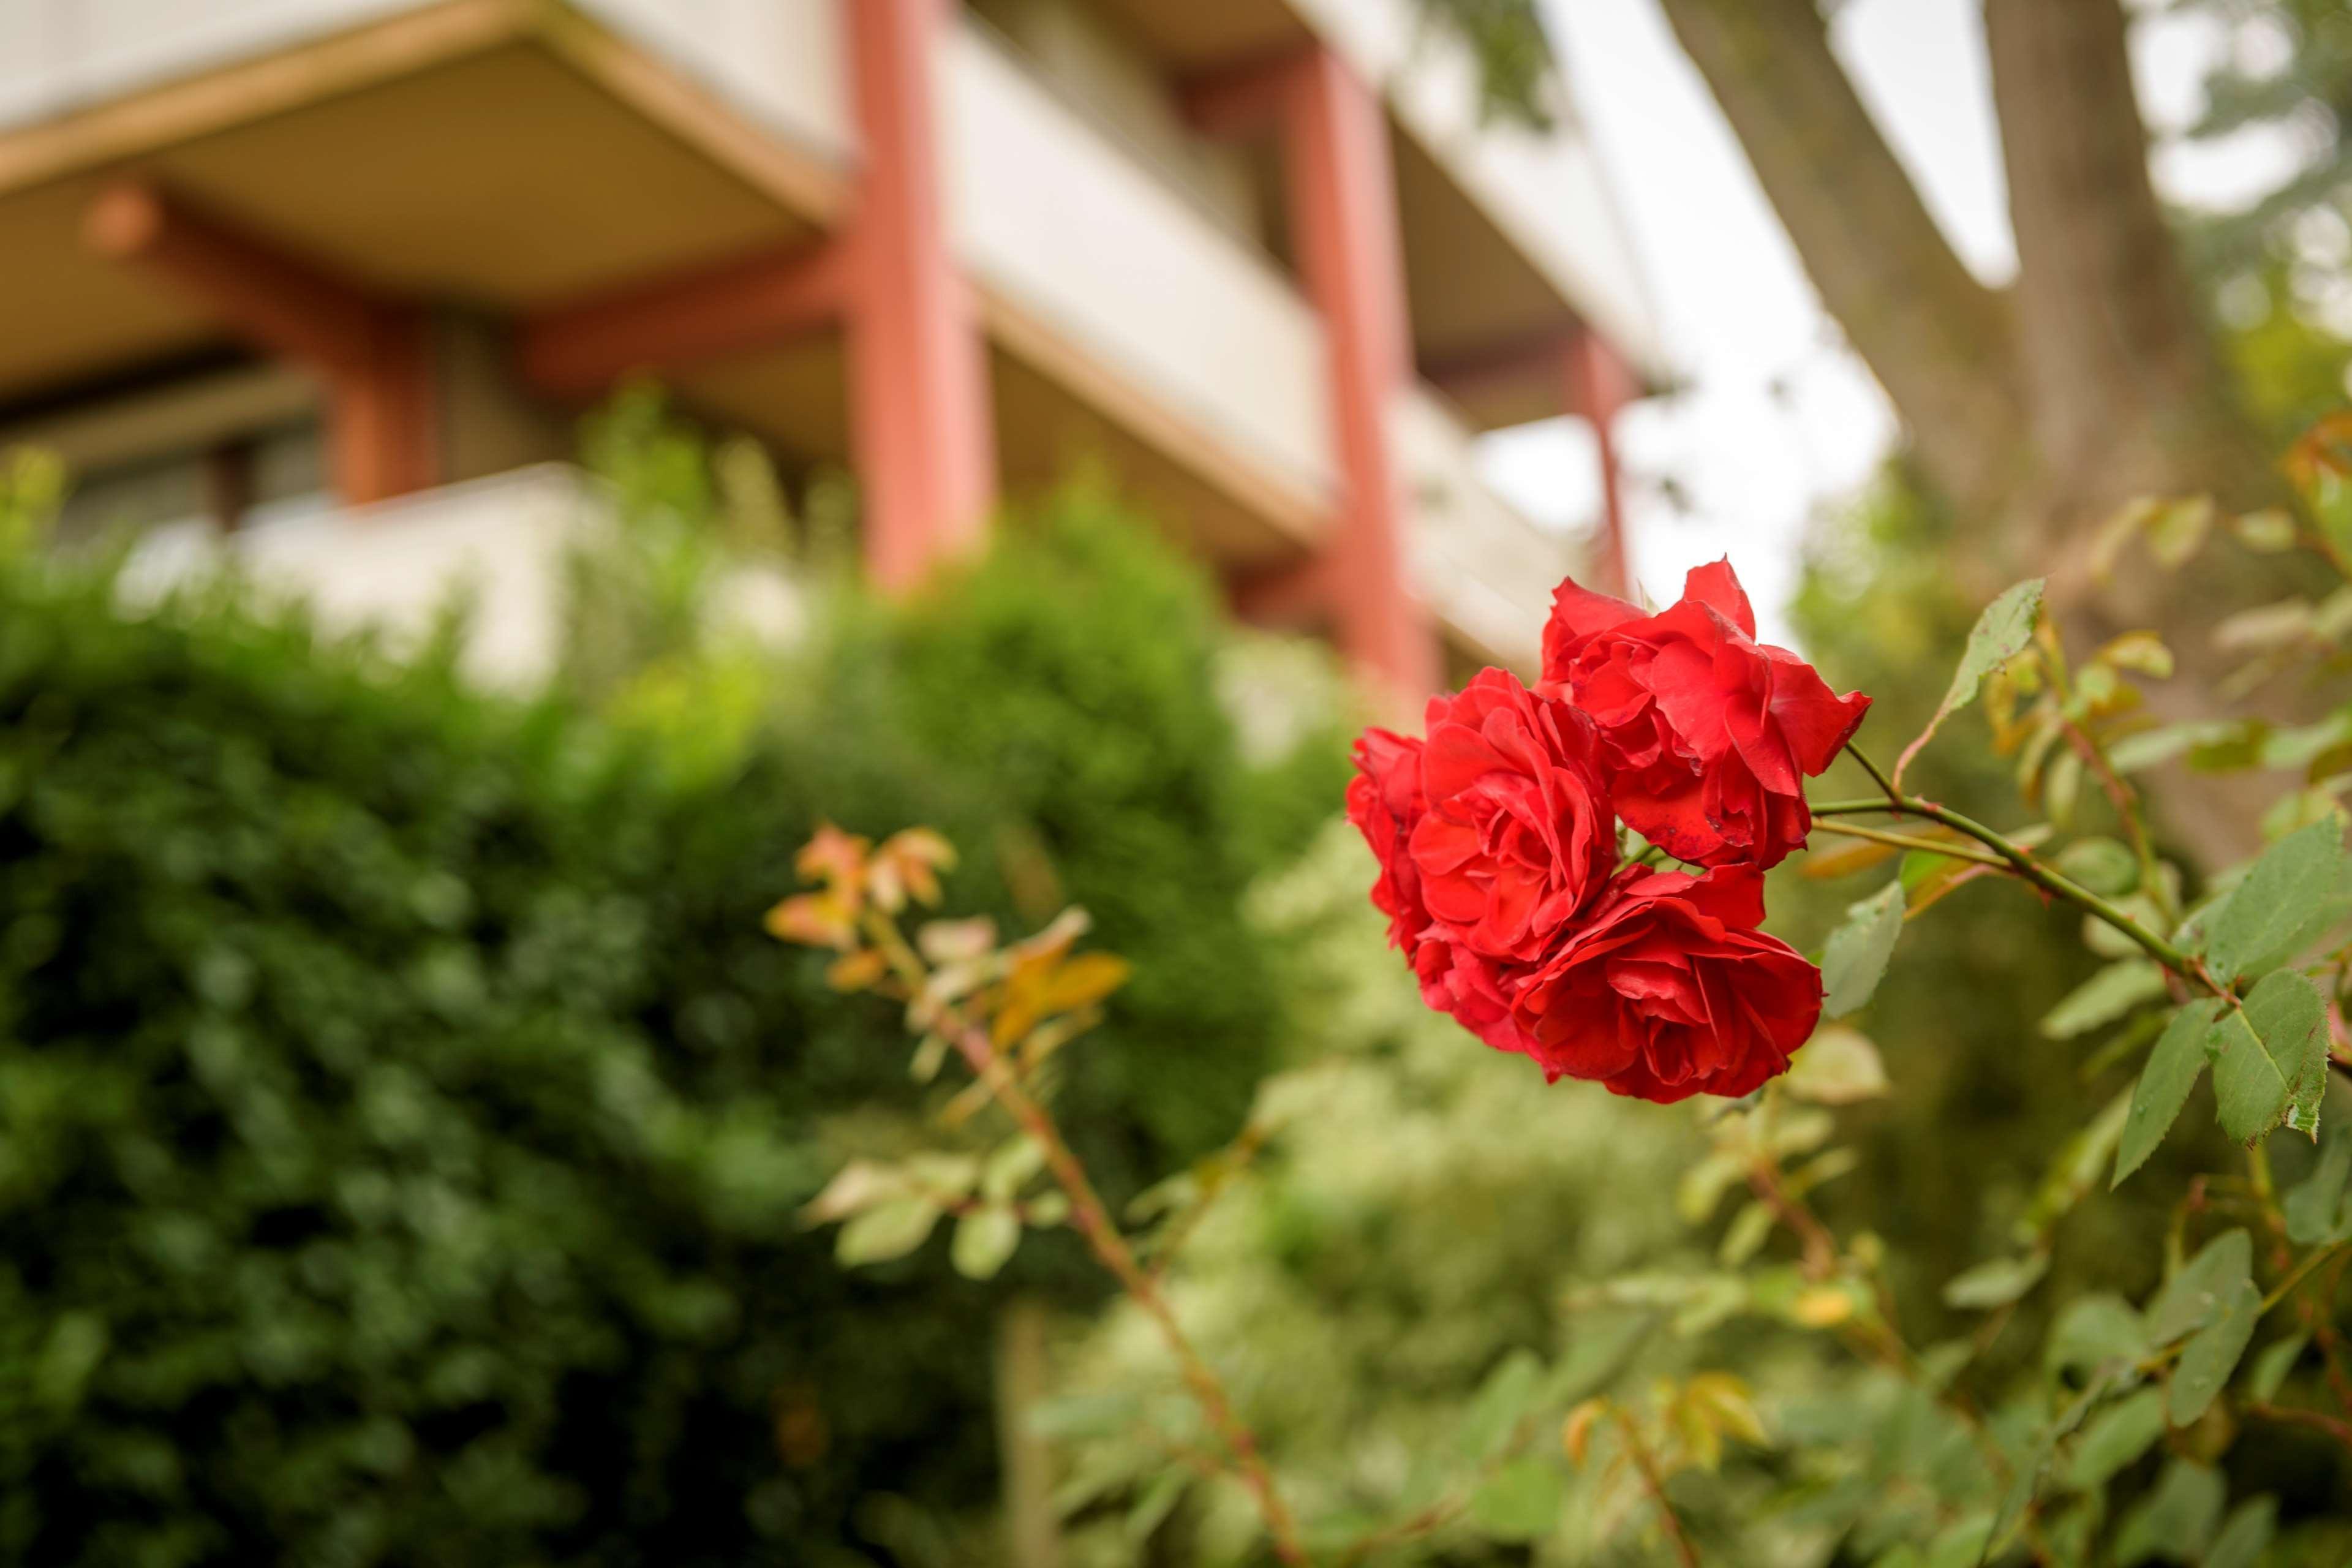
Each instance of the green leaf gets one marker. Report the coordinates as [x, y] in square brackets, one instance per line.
[984, 1238]
[2102, 865]
[1858, 951]
[1837, 1067]
[1996, 1283]
[2074, 1172]
[2122, 1433]
[2104, 998]
[2242, 1539]
[1014, 1162]
[2314, 1208]
[2193, 1298]
[1521, 1501]
[2212, 1354]
[2164, 1085]
[1502, 1401]
[888, 1230]
[2176, 1520]
[1159, 1500]
[2027, 1481]
[1070, 1417]
[2092, 1331]
[1999, 635]
[2270, 1057]
[2270, 1369]
[2282, 906]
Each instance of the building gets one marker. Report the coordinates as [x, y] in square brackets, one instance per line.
[274, 257]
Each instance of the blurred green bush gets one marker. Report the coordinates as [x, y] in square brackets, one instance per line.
[402, 1114]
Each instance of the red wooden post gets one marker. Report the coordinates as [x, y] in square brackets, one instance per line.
[924, 440]
[1598, 385]
[373, 354]
[1343, 199]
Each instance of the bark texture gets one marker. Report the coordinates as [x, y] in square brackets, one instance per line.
[2040, 409]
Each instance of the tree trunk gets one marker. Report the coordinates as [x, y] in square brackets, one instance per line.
[2041, 411]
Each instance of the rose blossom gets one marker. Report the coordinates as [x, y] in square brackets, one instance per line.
[1490, 835]
[1667, 990]
[1710, 733]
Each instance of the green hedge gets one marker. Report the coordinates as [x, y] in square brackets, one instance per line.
[401, 1114]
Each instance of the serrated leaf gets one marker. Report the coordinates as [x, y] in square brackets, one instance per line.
[1999, 636]
[2193, 1298]
[2269, 1372]
[888, 1230]
[2164, 1084]
[2212, 1354]
[2242, 1539]
[2270, 1057]
[1858, 950]
[2123, 1432]
[1838, 1065]
[2104, 998]
[1995, 1283]
[1520, 1501]
[984, 1238]
[2283, 904]
[2315, 1207]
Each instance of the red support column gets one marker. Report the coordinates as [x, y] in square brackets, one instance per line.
[925, 446]
[1341, 189]
[1599, 384]
[373, 354]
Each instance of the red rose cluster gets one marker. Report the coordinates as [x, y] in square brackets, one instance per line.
[1497, 837]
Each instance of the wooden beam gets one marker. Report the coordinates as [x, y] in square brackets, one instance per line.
[674, 322]
[373, 353]
[1520, 359]
[252, 90]
[1245, 98]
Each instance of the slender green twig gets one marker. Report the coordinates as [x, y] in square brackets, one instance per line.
[1909, 841]
[1895, 803]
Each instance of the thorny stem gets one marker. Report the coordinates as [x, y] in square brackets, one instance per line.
[1093, 1221]
[1907, 841]
[1895, 803]
[1647, 1463]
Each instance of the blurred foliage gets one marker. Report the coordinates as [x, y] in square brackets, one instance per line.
[1512, 51]
[402, 1113]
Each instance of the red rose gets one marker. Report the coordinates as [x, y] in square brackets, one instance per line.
[1710, 733]
[1386, 804]
[1516, 833]
[1668, 990]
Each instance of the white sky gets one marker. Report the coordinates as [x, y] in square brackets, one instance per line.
[1779, 417]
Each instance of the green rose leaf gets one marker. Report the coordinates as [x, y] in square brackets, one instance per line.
[2122, 1433]
[888, 1230]
[1502, 1401]
[2176, 1520]
[1999, 635]
[1858, 951]
[1521, 1501]
[2164, 1085]
[2242, 1539]
[1996, 1283]
[2104, 998]
[2315, 1207]
[2270, 1059]
[2270, 1369]
[984, 1238]
[2292, 894]
[2194, 1297]
[2212, 1354]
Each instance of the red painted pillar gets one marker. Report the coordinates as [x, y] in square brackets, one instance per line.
[923, 439]
[1598, 385]
[1343, 199]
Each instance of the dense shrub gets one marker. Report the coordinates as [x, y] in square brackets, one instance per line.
[401, 1115]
